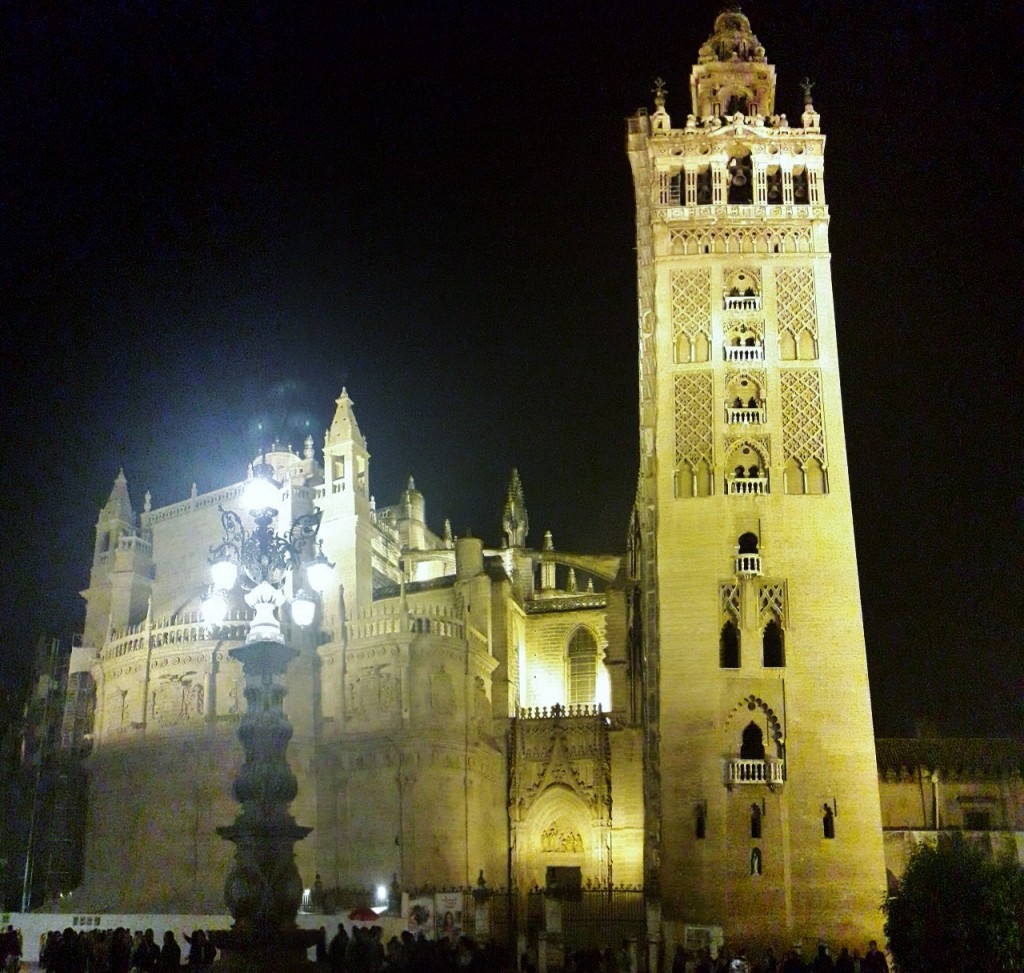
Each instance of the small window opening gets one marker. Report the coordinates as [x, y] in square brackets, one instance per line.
[755, 821]
[741, 183]
[737, 103]
[701, 828]
[747, 542]
[729, 646]
[773, 645]
[704, 189]
[828, 822]
[801, 193]
[752, 747]
[774, 186]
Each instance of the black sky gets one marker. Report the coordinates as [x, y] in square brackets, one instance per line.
[215, 215]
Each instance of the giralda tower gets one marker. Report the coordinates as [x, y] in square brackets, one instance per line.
[762, 804]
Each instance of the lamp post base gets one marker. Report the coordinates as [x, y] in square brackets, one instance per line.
[284, 951]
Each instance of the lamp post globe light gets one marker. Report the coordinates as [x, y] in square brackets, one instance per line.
[263, 890]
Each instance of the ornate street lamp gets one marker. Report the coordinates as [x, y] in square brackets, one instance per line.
[263, 890]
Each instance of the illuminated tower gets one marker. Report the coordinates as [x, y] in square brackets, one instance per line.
[762, 793]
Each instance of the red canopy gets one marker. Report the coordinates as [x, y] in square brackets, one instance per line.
[362, 913]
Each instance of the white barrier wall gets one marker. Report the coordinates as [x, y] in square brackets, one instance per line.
[35, 925]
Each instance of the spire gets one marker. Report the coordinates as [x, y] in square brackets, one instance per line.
[732, 75]
[515, 521]
[119, 504]
[344, 427]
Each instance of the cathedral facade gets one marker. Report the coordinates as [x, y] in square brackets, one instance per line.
[691, 716]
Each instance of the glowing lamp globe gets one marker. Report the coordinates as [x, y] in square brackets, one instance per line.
[319, 573]
[225, 574]
[261, 492]
[214, 608]
[303, 608]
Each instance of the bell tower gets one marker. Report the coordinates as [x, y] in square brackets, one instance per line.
[762, 807]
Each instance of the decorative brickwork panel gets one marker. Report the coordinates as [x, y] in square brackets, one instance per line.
[771, 603]
[729, 595]
[694, 419]
[803, 424]
[691, 303]
[794, 287]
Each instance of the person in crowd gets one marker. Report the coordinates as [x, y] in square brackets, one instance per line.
[200, 950]
[844, 961]
[120, 954]
[146, 955]
[170, 953]
[874, 960]
[336, 950]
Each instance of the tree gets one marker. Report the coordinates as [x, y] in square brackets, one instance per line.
[956, 910]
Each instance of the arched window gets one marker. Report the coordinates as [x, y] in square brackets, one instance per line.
[773, 645]
[729, 646]
[704, 188]
[752, 747]
[582, 667]
[741, 179]
[801, 191]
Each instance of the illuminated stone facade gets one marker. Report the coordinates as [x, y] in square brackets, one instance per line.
[693, 716]
[762, 800]
[439, 671]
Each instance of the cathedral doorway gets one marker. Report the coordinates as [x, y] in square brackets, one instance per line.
[558, 831]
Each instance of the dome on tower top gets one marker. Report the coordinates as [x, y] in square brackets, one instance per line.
[732, 40]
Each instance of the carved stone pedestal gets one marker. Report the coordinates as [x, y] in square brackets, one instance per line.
[263, 890]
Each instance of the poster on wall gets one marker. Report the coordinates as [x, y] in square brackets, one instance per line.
[448, 915]
[421, 917]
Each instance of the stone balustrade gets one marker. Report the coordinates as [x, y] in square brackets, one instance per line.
[740, 771]
[748, 564]
[213, 499]
[745, 416]
[749, 302]
[174, 630]
[746, 485]
[558, 710]
[744, 353]
[393, 620]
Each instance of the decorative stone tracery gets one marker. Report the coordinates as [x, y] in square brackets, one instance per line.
[797, 313]
[803, 431]
[694, 447]
[691, 314]
[749, 239]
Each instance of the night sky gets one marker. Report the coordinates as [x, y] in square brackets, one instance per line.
[213, 216]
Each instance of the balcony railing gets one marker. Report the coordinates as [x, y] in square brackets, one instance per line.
[748, 564]
[744, 353]
[739, 771]
[747, 302]
[744, 415]
[745, 485]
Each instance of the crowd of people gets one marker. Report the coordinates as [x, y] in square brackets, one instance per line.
[824, 961]
[121, 951]
[364, 950]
